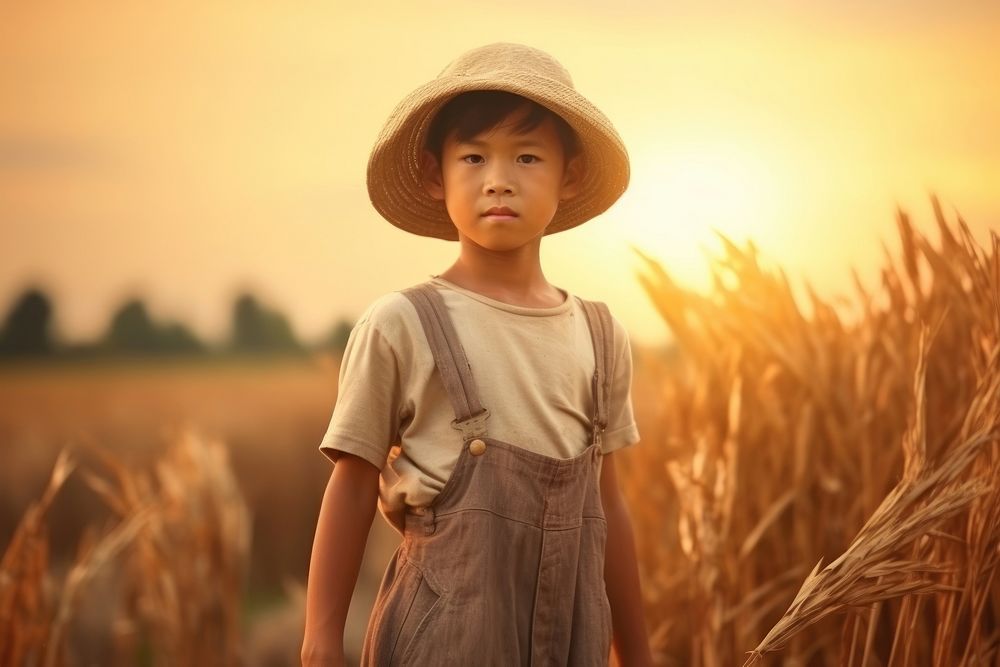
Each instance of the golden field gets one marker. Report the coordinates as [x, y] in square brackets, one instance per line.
[818, 484]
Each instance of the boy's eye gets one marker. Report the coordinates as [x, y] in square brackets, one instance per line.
[529, 158]
[472, 159]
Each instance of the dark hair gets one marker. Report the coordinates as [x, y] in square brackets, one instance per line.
[473, 112]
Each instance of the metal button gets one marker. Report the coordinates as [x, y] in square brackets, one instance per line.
[477, 447]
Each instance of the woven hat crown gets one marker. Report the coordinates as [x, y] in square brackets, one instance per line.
[498, 59]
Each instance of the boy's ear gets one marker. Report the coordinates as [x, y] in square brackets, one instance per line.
[430, 172]
[572, 181]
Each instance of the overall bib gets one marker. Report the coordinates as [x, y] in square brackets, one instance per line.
[506, 565]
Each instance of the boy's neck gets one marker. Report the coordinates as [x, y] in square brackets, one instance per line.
[518, 281]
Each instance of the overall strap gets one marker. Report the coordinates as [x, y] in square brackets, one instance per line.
[602, 334]
[450, 359]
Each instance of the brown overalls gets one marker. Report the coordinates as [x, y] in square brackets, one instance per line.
[506, 565]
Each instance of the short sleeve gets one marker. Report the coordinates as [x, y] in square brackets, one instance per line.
[365, 419]
[622, 430]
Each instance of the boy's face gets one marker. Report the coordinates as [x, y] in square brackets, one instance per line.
[501, 189]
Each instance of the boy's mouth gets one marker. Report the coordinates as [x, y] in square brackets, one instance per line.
[500, 211]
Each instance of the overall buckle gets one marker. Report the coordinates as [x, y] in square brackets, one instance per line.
[474, 426]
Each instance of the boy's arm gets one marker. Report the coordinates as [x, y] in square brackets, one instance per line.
[345, 517]
[621, 574]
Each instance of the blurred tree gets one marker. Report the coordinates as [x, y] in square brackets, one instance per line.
[133, 330]
[256, 328]
[26, 329]
[174, 337]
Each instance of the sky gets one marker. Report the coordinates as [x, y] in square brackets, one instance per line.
[185, 151]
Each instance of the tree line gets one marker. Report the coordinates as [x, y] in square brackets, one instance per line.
[257, 329]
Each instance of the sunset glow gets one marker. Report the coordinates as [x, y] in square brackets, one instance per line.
[679, 195]
[185, 151]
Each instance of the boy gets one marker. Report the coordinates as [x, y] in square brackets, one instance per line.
[506, 394]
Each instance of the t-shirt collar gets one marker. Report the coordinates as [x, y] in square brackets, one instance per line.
[509, 307]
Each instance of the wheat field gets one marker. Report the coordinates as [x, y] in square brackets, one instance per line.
[818, 483]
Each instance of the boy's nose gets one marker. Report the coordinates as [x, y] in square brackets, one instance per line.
[497, 182]
[498, 188]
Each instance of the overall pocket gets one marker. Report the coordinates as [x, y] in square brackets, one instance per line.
[406, 616]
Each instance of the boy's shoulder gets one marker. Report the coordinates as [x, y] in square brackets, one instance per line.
[393, 315]
[388, 311]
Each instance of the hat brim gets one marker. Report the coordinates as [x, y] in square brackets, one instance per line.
[395, 185]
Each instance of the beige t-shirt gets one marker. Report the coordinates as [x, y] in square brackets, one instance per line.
[533, 368]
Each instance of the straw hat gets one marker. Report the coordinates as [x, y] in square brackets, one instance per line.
[394, 179]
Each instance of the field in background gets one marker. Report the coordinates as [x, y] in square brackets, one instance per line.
[270, 415]
[775, 438]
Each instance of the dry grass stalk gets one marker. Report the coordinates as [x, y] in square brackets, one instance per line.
[872, 570]
[96, 557]
[187, 570]
[25, 611]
